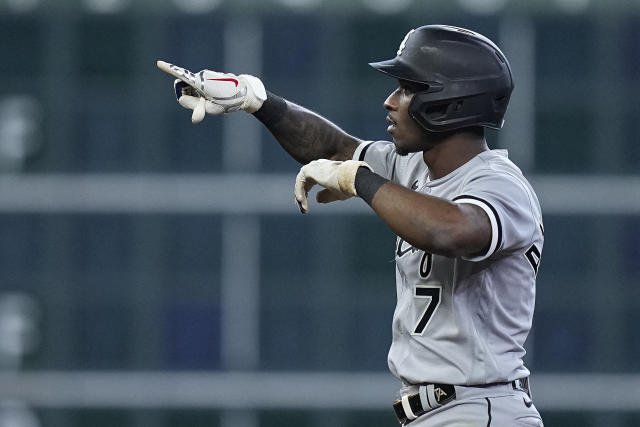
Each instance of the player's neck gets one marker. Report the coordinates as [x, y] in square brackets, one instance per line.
[453, 152]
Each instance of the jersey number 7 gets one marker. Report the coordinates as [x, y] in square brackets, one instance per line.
[432, 295]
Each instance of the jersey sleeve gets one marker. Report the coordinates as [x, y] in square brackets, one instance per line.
[380, 155]
[511, 207]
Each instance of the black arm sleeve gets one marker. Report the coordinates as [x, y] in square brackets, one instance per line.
[303, 134]
[272, 110]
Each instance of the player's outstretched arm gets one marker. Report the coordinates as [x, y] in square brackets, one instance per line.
[306, 136]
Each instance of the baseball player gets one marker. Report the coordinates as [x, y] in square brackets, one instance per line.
[468, 224]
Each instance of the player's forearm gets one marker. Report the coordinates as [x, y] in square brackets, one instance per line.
[305, 135]
[429, 223]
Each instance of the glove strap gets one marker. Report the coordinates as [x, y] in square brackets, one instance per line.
[347, 176]
[257, 95]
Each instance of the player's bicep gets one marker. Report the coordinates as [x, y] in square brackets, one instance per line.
[511, 208]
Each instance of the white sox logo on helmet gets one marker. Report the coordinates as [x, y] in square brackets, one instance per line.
[403, 43]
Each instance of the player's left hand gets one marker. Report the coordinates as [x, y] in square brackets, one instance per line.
[337, 177]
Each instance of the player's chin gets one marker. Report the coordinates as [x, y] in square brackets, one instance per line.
[401, 149]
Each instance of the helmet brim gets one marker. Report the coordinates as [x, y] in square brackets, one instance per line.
[396, 68]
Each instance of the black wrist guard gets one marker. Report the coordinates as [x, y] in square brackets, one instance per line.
[368, 183]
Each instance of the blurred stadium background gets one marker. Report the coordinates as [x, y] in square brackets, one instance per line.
[154, 273]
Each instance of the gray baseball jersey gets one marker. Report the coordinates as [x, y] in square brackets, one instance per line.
[464, 321]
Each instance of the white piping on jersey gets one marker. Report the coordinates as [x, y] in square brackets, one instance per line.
[494, 227]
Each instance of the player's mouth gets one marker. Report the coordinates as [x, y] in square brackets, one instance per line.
[392, 124]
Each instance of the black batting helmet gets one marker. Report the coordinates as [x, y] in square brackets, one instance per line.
[467, 78]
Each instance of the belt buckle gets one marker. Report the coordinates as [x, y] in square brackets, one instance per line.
[408, 408]
[411, 406]
[399, 411]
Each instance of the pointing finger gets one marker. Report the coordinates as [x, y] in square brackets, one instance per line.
[178, 72]
[170, 69]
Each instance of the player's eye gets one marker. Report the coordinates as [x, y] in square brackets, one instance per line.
[412, 87]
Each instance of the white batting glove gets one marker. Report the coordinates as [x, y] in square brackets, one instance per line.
[337, 177]
[215, 93]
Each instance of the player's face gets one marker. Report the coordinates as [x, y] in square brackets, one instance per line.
[408, 135]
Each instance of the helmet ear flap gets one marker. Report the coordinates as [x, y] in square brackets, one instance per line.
[435, 115]
[427, 114]
[438, 112]
[501, 102]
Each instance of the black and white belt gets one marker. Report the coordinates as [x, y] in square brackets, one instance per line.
[432, 396]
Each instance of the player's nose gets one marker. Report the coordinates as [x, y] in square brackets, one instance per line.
[390, 103]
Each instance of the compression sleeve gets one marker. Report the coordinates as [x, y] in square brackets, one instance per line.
[272, 110]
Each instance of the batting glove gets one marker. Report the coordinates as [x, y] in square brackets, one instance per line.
[338, 178]
[215, 93]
